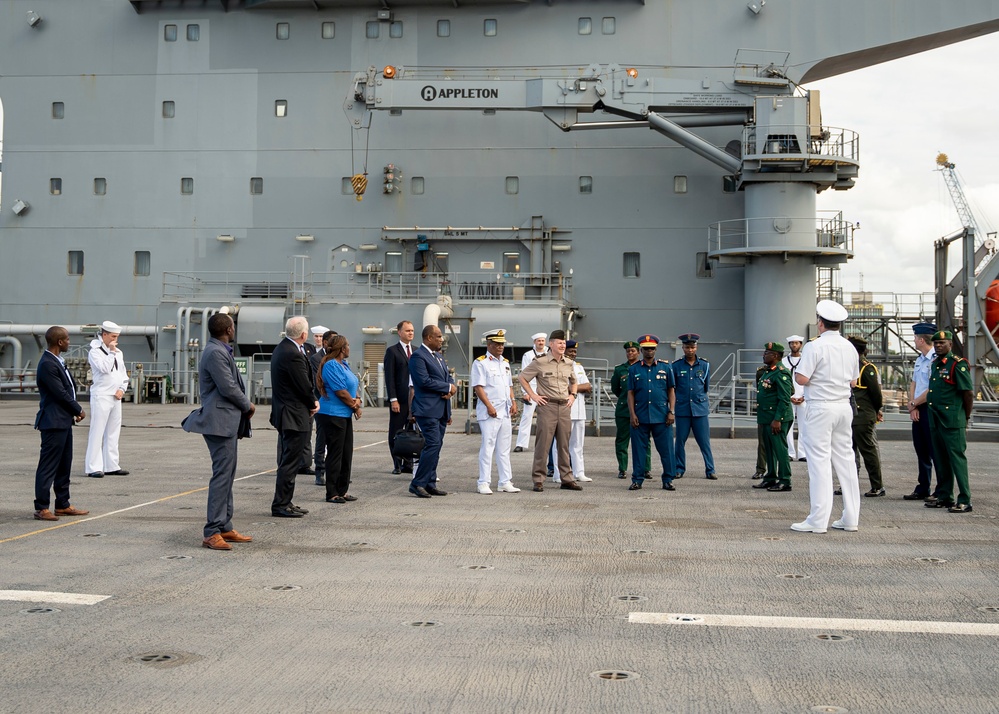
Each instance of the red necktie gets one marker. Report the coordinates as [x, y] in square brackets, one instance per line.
[408, 353]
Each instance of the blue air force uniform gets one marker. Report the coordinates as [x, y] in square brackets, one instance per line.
[692, 383]
[650, 385]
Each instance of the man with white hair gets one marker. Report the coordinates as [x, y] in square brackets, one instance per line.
[791, 361]
[293, 403]
[107, 364]
[524, 430]
[828, 371]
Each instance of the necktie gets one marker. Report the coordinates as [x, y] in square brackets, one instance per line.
[408, 352]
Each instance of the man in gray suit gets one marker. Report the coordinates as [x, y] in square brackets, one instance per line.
[223, 406]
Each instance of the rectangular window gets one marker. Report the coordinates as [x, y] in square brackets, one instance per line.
[186, 186]
[283, 30]
[55, 186]
[346, 187]
[395, 29]
[329, 30]
[511, 262]
[58, 110]
[586, 184]
[632, 265]
[141, 262]
[170, 33]
[443, 28]
[586, 26]
[608, 26]
[74, 264]
[512, 185]
[489, 28]
[100, 186]
[372, 29]
[193, 33]
[440, 262]
[169, 110]
[281, 108]
[416, 185]
[704, 268]
[679, 184]
[256, 185]
[393, 262]
[395, 112]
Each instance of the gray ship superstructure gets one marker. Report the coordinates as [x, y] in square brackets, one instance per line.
[609, 167]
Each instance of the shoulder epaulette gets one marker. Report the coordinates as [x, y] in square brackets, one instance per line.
[479, 359]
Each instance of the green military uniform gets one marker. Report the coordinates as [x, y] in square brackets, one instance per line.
[773, 403]
[950, 375]
[622, 417]
[867, 395]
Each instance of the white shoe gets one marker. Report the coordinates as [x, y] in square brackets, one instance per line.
[556, 480]
[484, 489]
[583, 478]
[840, 526]
[804, 527]
[508, 488]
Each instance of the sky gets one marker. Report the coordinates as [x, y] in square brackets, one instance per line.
[906, 112]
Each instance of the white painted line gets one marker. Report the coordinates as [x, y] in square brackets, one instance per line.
[816, 623]
[60, 598]
[383, 441]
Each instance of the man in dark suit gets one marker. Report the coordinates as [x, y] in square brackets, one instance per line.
[58, 410]
[223, 406]
[396, 370]
[292, 406]
[433, 387]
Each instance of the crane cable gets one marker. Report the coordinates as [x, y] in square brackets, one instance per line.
[359, 182]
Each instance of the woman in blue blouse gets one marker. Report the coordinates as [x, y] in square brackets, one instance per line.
[338, 402]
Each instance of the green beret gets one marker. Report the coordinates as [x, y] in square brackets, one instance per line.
[943, 335]
[774, 347]
[630, 344]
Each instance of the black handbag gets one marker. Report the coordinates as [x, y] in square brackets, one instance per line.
[408, 443]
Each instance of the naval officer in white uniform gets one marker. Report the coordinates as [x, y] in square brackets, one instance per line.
[492, 382]
[524, 432]
[107, 364]
[828, 373]
[791, 360]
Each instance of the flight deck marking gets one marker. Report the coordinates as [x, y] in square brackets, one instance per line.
[43, 596]
[818, 623]
[150, 503]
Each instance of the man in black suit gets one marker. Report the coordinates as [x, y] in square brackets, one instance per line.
[396, 371]
[58, 410]
[292, 406]
[319, 334]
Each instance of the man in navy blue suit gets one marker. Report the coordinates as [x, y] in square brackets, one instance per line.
[57, 412]
[433, 387]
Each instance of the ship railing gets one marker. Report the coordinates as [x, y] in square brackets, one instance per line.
[827, 233]
[817, 145]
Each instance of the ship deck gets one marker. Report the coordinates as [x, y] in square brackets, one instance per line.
[600, 601]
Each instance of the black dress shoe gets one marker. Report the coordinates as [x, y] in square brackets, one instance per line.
[777, 487]
[307, 471]
[518, 449]
[875, 492]
[914, 496]
[396, 471]
[803, 459]
[551, 474]
[299, 509]
[668, 487]
[320, 481]
[838, 492]
[764, 484]
[407, 470]
[757, 477]
[960, 508]
[539, 488]
[679, 475]
[571, 486]
[348, 497]
[711, 477]
[285, 513]
[419, 491]
[117, 472]
[635, 487]
[620, 474]
[96, 474]
[938, 504]
[434, 491]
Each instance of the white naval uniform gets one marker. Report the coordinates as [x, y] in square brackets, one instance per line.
[830, 363]
[577, 413]
[495, 377]
[799, 412]
[527, 410]
[110, 375]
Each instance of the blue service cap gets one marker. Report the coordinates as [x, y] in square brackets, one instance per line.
[569, 344]
[924, 328]
[689, 338]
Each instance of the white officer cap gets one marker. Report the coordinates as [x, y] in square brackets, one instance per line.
[831, 310]
[495, 336]
[110, 327]
[320, 330]
[539, 336]
[794, 338]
